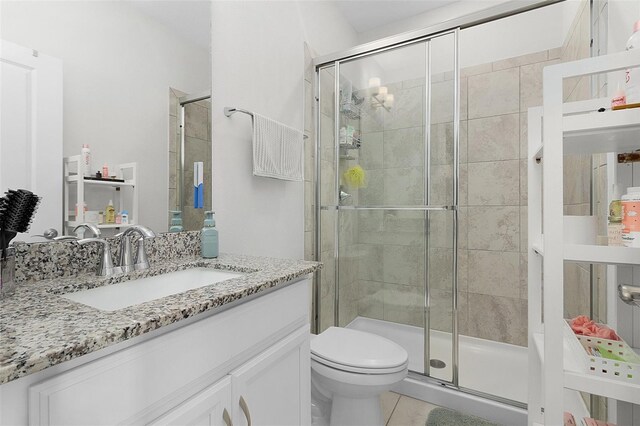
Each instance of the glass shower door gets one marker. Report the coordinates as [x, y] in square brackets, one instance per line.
[387, 185]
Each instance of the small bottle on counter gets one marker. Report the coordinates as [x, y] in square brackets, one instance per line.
[176, 221]
[209, 236]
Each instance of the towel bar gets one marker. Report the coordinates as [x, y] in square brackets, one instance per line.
[229, 111]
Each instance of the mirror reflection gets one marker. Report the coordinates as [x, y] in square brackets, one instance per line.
[126, 87]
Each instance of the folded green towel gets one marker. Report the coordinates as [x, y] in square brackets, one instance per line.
[445, 417]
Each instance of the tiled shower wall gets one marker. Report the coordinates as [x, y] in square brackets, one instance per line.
[382, 253]
[197, 148]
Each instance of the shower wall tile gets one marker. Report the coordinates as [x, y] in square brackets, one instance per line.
[531, 84]
[464, 98]
[494, 228]
[371, 299]
[463, 227]
[520, 60]
[494, 93]
[327, 230]
[442, 185]
[327, 95]
[524, 178]
[308, 106]
[524, 135]
[463, 142]
[309, 206]
[441, 230]
[441, 140]
[403, 148]
[463, 313]
[504, 187]
[373, 193]
[408, 110]
[371, 152]
[524, 290]
[403, 265]
[404, 304]
[370, 266]
[442, 102]
[173, 166]
[403, 186]
[463, 184]
[524, 229]
[327, 138]
[494, 138]
[441, 310]
[475, 70]
[495, 273]
[441, 268]
[463, 270]
[196, 121]
[502, 319]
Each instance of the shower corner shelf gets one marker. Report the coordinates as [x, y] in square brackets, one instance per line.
[568, 128]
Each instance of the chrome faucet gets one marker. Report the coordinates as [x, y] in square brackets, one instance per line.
[126, 257]
[105, 266]
[89, 226]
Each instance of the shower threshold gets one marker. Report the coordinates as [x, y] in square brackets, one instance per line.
[485, 366]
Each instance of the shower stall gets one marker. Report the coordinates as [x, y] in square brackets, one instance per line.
[388, 216]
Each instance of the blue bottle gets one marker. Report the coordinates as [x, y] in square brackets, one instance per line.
[209, 236]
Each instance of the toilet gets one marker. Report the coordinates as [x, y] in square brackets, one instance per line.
[350, 369]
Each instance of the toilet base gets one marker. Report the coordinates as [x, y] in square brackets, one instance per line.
[356, 411]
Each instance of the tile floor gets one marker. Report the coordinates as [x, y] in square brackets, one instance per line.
[400, 410]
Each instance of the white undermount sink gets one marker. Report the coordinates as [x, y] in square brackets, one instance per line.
[122, 295]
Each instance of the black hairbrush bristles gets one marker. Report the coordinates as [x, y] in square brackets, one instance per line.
[17, 208]
[20, 206]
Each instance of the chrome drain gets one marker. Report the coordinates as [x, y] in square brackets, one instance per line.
[436, 363]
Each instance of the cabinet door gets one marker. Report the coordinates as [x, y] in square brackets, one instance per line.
[211, 407]
[274, 387]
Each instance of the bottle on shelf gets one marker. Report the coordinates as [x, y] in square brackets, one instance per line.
[86, 159]
[105, 171]
[614, 227]
[631, 217]
[110, 213]
[124, 217]
[209, 236]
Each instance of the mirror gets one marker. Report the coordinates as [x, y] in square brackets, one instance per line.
[130, 79]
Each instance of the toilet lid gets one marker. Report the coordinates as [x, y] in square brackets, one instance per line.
[352, 348]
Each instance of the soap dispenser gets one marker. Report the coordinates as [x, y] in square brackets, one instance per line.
[209, 236]
[176, 221]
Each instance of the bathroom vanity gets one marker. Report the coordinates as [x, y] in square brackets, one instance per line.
[234, 352]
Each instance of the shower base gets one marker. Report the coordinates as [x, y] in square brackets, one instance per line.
[487, 367]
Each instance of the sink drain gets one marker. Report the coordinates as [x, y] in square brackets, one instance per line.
[436, 363]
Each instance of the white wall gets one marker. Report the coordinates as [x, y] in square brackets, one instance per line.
[258, 64]
[118, 65]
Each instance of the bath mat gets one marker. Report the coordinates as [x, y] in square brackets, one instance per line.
[446, 417]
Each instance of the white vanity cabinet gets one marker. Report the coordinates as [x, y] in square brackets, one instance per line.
[250, 361]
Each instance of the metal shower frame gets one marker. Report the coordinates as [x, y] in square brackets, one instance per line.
[402, 40]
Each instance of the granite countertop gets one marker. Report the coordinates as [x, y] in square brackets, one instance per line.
[39, 329]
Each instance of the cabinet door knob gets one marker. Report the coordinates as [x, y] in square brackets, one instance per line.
[226, 418]
[245, 410]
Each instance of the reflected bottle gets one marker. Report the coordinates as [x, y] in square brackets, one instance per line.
[176, 221]
[209, 236]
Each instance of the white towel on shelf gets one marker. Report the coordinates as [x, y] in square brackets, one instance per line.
[277, 149]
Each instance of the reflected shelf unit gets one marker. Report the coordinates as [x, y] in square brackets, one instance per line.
[555, 365]
[124, 194]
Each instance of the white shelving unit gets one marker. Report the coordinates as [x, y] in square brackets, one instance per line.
[555, 368]
[74, 175]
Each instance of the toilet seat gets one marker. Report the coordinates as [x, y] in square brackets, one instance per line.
[358, 352]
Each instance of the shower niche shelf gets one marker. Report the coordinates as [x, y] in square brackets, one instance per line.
[569, 128]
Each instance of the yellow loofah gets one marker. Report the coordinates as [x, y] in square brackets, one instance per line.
[355, 177]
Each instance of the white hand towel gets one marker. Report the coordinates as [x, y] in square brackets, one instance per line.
[277, 149]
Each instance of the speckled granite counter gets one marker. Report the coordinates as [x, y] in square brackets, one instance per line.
[39, 329]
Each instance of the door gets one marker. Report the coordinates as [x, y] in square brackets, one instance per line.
[388, 199]
[31, 130]
[211, 407]
[274, 387]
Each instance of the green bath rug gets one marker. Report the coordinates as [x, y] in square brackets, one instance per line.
[445, 417]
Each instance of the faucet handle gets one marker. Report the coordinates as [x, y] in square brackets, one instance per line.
[141, 256]
[91, 227]
[105, 266]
